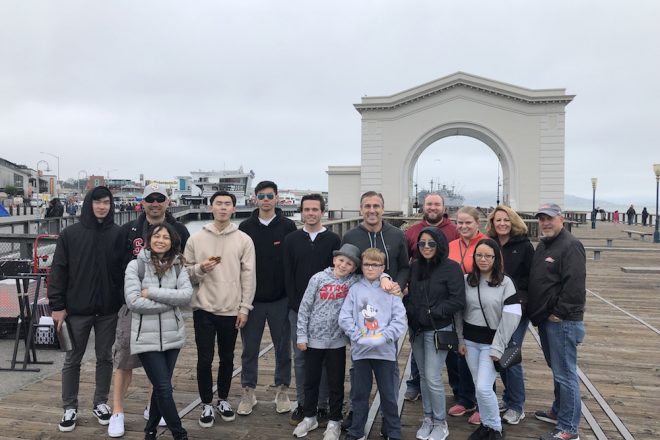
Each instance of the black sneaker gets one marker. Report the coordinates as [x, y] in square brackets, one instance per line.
[347, 422]
[207, 418]
[481, 433]
[495, 435]
[225, 410]
[68, 422]
[546, 416]
[102, 412]
[297, 416]
[322, 417]
[150, 435]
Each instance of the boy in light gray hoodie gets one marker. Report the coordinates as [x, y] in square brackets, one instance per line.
[321, 339]
[374, 321]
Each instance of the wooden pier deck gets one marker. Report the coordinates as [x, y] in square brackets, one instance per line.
[619, 362]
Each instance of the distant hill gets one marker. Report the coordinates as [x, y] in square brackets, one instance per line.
[572, 203]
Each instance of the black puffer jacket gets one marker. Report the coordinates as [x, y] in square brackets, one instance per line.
[517, 255]
[85, 274]
[436, 289]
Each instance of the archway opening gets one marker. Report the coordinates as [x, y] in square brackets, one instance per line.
[465, 170]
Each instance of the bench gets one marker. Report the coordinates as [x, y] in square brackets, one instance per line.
[640, 269]
[641, 234]
[598, 250]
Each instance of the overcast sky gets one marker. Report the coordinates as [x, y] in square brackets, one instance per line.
[166, 87]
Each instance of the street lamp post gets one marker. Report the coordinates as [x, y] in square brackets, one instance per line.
[656, 234]
[594, 181]
[58, 170]
[39, 175]
[86, 177]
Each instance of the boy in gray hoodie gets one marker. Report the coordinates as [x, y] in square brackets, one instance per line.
[374, 321]
[321, 339]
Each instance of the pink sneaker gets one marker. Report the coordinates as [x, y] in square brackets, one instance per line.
[459, 410]
[475, 419]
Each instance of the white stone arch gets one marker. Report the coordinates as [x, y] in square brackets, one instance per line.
[463, 128]
[524, 128]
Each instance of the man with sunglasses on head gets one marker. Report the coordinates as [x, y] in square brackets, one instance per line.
[131, 240]
[267, 227]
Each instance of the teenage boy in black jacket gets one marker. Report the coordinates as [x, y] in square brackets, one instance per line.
[306, 252]
[267, 227]
[85, 290]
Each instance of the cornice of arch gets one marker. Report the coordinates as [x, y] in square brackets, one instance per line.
[467, 81]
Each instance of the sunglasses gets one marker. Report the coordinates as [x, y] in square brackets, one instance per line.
[157, 198]
[422, 244]
[270, 196]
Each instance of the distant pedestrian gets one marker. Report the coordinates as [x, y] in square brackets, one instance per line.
[556, 299]
[632, 215]
[56, 209]
[85, 290]
[615, 217]
[645, 216]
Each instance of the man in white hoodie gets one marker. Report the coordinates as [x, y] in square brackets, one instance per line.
[221, 265]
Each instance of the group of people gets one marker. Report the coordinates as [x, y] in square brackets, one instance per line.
[320, 293]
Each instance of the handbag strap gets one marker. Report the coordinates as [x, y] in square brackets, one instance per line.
[481, 305]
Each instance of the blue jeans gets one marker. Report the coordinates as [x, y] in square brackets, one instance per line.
[430, 366]
[559, 342]
[484, 374]
[413, 384]
[460, 380]
[299, 368]
[513, 377]
[387, 378]
[159, 366]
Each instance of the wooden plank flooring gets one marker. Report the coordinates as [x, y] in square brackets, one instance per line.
[620, 356]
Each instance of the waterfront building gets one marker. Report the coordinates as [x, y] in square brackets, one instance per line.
[200, 185]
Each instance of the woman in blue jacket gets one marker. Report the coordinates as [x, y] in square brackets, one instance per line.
[155, 286]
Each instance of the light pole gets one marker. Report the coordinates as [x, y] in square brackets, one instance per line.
[656, 233]
[594, 181]
[39, 175]
[58, 171]
[86, 177]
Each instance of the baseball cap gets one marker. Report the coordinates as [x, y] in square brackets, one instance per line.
[550, 209]
[154, 188]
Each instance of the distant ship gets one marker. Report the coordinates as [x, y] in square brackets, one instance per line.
[452, 198]
[200, 185]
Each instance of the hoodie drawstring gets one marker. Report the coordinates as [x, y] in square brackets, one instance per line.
[372, 243]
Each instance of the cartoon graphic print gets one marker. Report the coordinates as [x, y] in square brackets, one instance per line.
[369, 313]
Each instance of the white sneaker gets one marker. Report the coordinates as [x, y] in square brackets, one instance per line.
[332, 431]
[162, 421]
[440, 431]
[248, 401]
[424, 431]
[282, 402]
[308, 424]
[207, 418]
[116, 426]
[513, 417]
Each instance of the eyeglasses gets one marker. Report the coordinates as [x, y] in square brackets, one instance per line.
[372, 265]
[157, 198]
[270, 196]
[422, 244]
[484, 257]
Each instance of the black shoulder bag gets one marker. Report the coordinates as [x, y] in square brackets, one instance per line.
[512, 353]
[442, 339]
